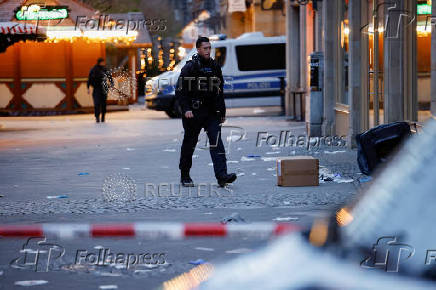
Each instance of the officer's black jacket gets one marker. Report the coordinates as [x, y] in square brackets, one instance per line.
[213, 98]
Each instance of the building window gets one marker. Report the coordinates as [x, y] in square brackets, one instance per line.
[220, 55]
[261, 57]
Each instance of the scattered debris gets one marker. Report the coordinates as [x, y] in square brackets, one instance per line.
[240, 174]
[271, 169]
[208, 213]
[269, 158]
[170, 150]
[126, 168]
[243, 158]
[204, 249]
[233, 138]
[334, 152]
[141, 271]
[83, 173]
[326, 175]
[254, 173]
[233, 218]
[109, 274]
[194, 156]
[56, 196]
[239, 149]
[1, 195]
[258, 111]
[286, 219]
[239, 251]
[98, 247]
[343, 180]
[108, 287]
[197, 262]
[274, 152]
[130, 149]
[254, 156]
[232, 161]
[365, 179]
[210, 164]
[31, 282]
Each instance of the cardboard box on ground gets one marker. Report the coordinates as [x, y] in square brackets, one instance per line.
[297, 171]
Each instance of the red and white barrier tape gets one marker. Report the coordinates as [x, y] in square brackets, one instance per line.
[147, 230]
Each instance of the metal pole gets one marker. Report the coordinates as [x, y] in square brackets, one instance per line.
[376, 103]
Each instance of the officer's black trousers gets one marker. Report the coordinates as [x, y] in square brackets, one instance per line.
[99, 97]
[212, 127]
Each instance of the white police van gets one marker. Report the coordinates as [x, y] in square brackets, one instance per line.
[252, 66]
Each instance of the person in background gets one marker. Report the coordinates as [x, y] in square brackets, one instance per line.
[98, 78]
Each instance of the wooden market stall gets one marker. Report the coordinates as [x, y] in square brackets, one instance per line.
[51, 75]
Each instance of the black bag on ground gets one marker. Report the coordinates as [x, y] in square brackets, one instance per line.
[375, 145]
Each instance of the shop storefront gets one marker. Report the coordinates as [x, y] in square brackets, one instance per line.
[49, 74]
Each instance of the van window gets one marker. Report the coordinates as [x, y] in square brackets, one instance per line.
[220, 55]
[261, 56]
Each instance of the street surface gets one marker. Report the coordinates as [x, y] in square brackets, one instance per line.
[71, 156]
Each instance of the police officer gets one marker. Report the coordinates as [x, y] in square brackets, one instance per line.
[199, 91]
[98, 79]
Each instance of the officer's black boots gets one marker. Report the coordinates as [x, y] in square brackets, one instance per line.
[227, 178]
[102, 118]
[97, 119]
[186, 180]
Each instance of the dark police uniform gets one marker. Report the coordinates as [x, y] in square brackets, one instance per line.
[206, 101]
[98, 79]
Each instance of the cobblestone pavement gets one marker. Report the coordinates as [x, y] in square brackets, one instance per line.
[73, 158]
[50, 156]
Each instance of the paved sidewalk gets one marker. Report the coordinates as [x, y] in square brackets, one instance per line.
[72, 156]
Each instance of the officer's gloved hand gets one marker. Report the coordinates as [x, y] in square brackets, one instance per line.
[189, 114]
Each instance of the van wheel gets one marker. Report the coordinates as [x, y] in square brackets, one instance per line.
[175, 111]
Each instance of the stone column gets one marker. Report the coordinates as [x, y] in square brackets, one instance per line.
[292, 57]
[303, 63]
[433, 61]
[400, 62]
[331, 46]
[357, 72]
